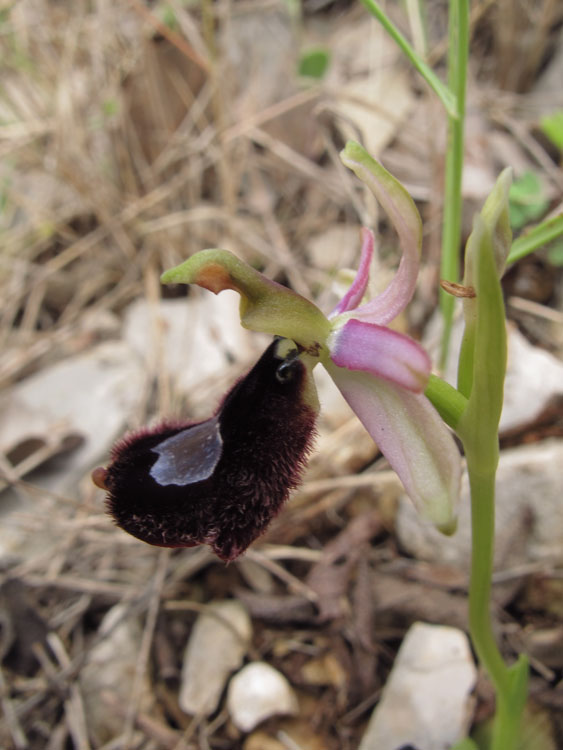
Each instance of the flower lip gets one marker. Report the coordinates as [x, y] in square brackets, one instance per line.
[218, 482]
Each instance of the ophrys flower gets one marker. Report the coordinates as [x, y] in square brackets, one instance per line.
[380, 372]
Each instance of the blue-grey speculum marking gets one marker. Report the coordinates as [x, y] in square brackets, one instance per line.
[190, 456]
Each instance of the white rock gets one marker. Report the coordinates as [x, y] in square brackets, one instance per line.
[426, 701]
[529, 486]
[196, 336]
[533, 376]
[107, 678]
[217, 646]
[93, 396]
[257, 692]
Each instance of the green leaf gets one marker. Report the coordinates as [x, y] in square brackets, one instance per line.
[110, 107]
[527, 200]
[519, 678]
[484, 347]
[445, 94]
[495, 214]
[552, 126]
[537, 237]
[168, 17]
[314, 63]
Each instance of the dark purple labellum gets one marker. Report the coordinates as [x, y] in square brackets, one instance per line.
[218, 482]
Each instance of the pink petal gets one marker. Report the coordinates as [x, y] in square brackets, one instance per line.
[382, 352]
[354, 295]
[400, 208]
[413, 438]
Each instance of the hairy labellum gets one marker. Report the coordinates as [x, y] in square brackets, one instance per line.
[218, 482]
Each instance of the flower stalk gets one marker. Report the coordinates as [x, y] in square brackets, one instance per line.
[481, 374]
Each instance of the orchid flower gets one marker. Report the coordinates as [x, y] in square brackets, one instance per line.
[380, 372]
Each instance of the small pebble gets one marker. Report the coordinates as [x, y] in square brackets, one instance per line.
[257, 692]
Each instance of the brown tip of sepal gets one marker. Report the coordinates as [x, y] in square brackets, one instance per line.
[218, 482]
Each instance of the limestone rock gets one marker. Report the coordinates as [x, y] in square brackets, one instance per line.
[91, 398]
[257, 692]
[426, 702]
[217, 646]
[107, 678]
[190, 340]
[529, 513]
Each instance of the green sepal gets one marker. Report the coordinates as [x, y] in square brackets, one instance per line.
[265, 305]
[395, 199]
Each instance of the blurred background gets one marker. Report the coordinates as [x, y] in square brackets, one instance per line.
[135, 133]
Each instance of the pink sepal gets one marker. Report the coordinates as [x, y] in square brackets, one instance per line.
[413, 438]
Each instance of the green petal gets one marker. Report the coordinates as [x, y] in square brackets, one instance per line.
[264, 306]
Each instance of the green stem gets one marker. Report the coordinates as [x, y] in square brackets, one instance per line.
[478, 429]
[442, 91]
[458, 51]
[483, 530]
[510, 683]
